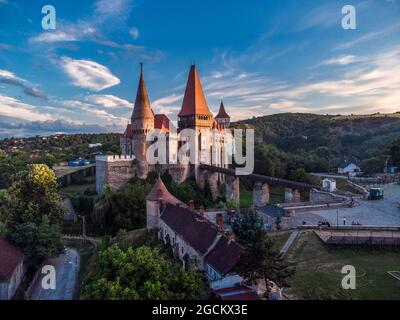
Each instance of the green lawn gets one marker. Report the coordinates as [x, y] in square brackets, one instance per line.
[318, 270]
[279, 239]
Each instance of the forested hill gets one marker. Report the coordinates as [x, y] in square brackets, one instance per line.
[327, 139]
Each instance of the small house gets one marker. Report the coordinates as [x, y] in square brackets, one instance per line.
[349, 168]
[329, 184]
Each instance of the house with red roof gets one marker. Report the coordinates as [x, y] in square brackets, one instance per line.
[196, 241]
[11, 268]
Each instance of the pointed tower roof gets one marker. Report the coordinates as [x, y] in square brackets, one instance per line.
[222, 113]
[194, 101]
[142, 108]
[160, 192]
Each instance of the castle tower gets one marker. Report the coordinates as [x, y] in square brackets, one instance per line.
[196, 115]
[158, 196]
[222, 117]
[142, 123]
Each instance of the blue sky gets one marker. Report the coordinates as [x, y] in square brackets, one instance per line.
[260, 57]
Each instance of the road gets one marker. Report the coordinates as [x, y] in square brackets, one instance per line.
[67, 267]
[371, 213]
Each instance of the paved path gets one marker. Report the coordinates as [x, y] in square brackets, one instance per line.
[380, 213]
[289, 242]
[67, 267]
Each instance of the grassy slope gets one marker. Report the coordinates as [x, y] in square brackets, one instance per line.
[319, 266]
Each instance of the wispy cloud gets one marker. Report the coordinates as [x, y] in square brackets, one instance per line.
[88, 74]
[109, 101]
[10, 78]
[368, 37]
[341, 60]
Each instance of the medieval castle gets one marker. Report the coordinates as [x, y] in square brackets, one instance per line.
[211, 136]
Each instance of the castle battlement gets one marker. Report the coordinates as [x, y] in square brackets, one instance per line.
[115, 157]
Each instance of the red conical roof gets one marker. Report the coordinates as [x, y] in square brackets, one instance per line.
[222, 113]
[194, 101]
[160, 192]
[142, 108]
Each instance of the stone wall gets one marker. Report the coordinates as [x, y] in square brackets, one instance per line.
[114, 171]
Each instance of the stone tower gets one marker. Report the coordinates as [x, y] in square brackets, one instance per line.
[222, 117]
[158, 197]
[142, 123]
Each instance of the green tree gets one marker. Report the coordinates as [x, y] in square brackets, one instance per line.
[36, 211]
[123, 209]
[260, 260]
[5, 203]
[246, 227]
[140, 274]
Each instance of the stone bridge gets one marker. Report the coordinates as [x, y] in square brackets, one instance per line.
[261, 185]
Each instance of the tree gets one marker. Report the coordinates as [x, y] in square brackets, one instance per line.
[36, 211]
[123, 209]
[39, 240]
[260, 260]
[246, 227]
[5, 202]
[140, 274]
[373, 165]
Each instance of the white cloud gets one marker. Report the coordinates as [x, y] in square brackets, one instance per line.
[10, 78]
[109, 101]
[88, 74]
[134, 32]
[342, 60]
[50, 37]
[14, 108]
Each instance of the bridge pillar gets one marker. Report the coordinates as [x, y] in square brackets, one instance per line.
[288, 195]
[202, 179]
[233, 188]
[260, 194]
[212, 178]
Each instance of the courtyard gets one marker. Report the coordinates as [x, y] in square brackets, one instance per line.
[384, 212]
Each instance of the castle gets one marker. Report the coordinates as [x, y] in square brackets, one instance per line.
[210, 135]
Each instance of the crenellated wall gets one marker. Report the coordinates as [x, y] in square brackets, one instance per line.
[113, 170]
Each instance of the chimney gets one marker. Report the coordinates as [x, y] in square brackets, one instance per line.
[191, 205]
[219, 220]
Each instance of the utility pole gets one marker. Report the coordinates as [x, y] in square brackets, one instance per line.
[337, 218]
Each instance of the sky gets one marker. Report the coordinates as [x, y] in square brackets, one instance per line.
[261, 57]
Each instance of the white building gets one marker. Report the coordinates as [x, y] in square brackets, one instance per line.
[329, 184]
[348, 168]
[11, 269]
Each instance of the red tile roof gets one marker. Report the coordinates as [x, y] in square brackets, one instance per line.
[224, 256]
[236, 293]
[128, 134]
[142, 107]
[217, 126]
[10, 257]
[194, 101]
[160, 192]
[197, 231]
[162, 123]
[222, 113]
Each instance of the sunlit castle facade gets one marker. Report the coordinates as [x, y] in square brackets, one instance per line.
[209, 137]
